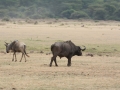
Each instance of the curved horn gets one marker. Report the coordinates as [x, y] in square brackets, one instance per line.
[5, 42]
[83, 48]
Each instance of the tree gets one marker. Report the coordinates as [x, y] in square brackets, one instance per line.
[71, 9]
[79, 14]
[92, 9]
[117, 14]
[100, 14]
[110, 8]
[3, 12]
[9, 3]
[67, 13]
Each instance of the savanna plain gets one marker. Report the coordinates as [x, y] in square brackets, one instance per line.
[97, 69]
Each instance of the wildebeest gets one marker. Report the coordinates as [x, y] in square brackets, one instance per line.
[65, 49]
[16, 46]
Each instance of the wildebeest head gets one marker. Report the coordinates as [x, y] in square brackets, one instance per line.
[7, 47]
[79, 50]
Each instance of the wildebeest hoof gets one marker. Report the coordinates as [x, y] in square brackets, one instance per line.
[68, 65]
[50, 65]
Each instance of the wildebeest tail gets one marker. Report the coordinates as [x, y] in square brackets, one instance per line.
[25, 51]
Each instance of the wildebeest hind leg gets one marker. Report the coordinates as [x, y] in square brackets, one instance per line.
[55, 62]
[21, 57]
[25, 57]
[51, 61]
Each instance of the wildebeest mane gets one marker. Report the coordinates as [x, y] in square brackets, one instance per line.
[11, 45]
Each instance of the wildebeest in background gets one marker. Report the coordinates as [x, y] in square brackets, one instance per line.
[16, 46]
[65, 49]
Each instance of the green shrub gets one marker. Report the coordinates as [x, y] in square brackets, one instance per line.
[117, 13]
[35, 16]
[100, 14]
[3, 12]
[67, 13]
[110, 9]
[5, 19]
[79, 14]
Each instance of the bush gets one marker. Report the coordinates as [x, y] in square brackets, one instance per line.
[100, 14]
[28, 13]
[110, 8]
[3, 12]
[35, 16]
[13, 14]
[117, 13]
[5, 19]
[67, 13]
[79, 14]
[49, 15]
[113, 18]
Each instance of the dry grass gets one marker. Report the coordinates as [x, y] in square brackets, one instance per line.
[93, 73]
[86, 73]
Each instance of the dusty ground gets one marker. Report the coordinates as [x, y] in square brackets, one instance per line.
[86, 73]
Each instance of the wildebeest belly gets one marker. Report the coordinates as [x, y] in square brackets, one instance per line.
[16, 50]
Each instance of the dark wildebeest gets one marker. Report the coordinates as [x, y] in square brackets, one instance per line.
[16, 46]
[65, 49]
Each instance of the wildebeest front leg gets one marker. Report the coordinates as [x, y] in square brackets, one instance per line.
[15, 57]
[14, 54]
[69, 61]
